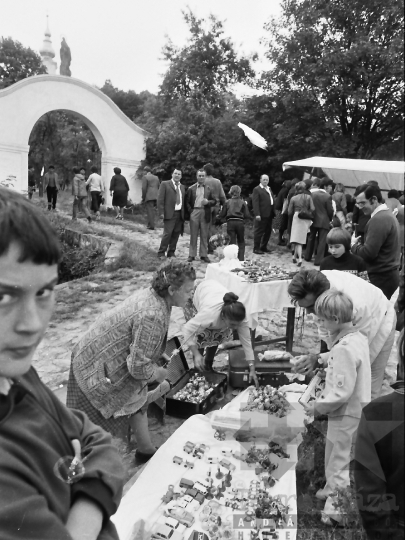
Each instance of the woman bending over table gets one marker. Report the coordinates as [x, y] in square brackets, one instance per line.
[215, 313]
[121, 354]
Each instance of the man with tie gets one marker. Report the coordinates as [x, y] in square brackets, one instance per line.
[199, 201]
[263, 204]
[170, 203]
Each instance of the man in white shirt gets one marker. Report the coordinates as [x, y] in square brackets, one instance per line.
[170, 203]
[96, 187]
[263, 209]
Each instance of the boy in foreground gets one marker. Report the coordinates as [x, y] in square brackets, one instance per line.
[40, 499]
[347, 390]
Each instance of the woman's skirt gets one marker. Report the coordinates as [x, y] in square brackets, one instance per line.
[209, 337]
[75, 399]
[120, 198]
[299, 229]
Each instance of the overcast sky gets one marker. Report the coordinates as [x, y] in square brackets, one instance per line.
[122, 40]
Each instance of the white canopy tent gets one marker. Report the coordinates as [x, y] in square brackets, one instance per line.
[354, 172]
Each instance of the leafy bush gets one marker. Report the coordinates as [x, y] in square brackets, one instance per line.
[77, 262]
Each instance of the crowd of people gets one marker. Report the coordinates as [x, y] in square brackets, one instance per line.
[119, 366]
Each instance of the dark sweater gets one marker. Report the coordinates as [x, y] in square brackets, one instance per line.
[381, 243]
[234, 208]
[36, 431]
[379, 466]
[346, 263]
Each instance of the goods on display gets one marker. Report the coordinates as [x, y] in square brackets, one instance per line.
[209, 500]
[274, 356]
[252, 272]
[313, 390]
[196, 390]
[268, 400]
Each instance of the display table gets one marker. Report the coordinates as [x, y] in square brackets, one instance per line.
[141, 510]
[257, 298]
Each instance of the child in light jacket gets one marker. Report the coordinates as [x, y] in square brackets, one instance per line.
[347, 390]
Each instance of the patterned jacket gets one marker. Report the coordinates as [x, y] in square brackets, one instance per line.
[118, 354]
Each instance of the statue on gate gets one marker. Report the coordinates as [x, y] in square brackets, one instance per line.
[65, 59]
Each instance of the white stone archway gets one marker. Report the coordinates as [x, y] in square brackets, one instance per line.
[121, 142]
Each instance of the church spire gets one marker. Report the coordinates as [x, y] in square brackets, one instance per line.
[47, 51]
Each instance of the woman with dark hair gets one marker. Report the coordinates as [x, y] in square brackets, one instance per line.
[341, 203]
[392, 200]
[121, 354]
[119, 190]
[282, 207]
[211, 317]
[300, 227]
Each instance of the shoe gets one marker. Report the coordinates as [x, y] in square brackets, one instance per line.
[299, 264]
[205, 259]
[142, 457]
[210, 252]
[151, 228]
[171, 255]
[117, 217]
[294, 260]
[161, 256]
[282, 243]
[258, 252]
[190, 259]
[317, 264]
[265, 250]
[89, 219]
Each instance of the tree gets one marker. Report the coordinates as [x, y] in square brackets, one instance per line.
[204, 70]
[17, 62]
[61, 139]
[130, 103]
[346, 58]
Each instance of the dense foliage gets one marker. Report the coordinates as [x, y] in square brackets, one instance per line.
[17, 62]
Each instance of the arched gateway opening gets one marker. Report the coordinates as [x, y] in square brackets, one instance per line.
[121, 142]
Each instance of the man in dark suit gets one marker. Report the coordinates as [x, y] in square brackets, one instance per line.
[170, 203]
[199, 201]
[150, 188]
[263, 210]
[320, 227]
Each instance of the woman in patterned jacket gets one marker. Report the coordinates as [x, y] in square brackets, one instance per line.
[119, 356]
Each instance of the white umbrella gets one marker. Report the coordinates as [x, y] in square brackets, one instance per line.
[254, 137]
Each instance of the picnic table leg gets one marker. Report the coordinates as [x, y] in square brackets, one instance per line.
[290, 329]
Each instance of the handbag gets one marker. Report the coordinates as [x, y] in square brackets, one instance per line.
[306, 213]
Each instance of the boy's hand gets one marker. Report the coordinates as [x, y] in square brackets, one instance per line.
[310, 408]
[305, 364]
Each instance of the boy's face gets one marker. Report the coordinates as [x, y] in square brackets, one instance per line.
[26, 305]
[330, 325]
[337, 250]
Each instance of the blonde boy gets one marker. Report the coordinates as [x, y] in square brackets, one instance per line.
[347, 388]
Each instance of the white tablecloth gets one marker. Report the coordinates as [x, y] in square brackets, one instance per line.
[256, 297]
[142, 507]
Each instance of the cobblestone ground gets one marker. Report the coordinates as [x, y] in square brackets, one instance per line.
[52, 359]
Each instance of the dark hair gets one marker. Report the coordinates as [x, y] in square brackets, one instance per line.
[201, 171]
[287, 184]
[117, 170]
[209, 169]
[393, 194]
[94, 169]
[316, 181]
[295, 181]
[308, 182]
[337, 235]
[307, 282]
[360, 189]
[171, 273]
[232, 309]
[75, 170]
[23, 223]
[147, 168]
[326, 182]
[372, 183]
[372, 191]
[51, 167]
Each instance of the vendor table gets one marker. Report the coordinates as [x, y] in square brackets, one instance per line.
[258, 298]
[142, 508]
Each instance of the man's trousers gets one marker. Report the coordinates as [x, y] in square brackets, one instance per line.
[198, 227]
[172, 228]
